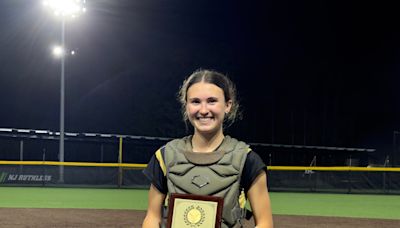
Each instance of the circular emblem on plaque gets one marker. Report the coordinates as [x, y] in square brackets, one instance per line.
[194, 216]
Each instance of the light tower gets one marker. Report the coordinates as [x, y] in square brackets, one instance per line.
[64, 10]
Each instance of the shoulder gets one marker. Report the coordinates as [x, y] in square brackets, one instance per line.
[253, 167]
[165, 154]
[253, 157]
[177, 143]
[237, 145]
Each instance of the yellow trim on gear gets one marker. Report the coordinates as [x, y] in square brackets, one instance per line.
[161, 161]
[242, 199]
[242, 196]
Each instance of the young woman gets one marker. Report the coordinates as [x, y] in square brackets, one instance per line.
[209, 162]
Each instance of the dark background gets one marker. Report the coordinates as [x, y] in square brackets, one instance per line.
[320, 73]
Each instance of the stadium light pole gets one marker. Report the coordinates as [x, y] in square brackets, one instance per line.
[63, 9]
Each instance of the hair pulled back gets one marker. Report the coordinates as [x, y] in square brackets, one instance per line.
[218, 79]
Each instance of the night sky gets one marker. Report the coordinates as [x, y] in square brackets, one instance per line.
[308, 72]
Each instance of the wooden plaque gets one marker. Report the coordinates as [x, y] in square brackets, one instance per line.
[194, 211]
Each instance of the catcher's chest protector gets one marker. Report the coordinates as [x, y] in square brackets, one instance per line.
[216, 174]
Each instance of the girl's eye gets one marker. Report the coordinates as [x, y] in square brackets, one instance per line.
[212, 100]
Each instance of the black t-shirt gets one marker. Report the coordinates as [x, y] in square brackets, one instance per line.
[252, 168]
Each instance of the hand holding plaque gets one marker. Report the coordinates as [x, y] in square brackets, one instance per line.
[194, 211]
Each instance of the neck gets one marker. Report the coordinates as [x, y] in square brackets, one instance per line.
[206, 143]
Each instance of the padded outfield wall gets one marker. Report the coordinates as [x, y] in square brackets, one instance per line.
[30, 158]
[122, 175]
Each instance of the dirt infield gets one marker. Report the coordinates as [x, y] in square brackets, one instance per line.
[10, 217]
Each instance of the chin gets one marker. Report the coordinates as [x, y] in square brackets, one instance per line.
[207, 130]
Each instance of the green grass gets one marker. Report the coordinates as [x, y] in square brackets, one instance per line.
[341, 205]
[32, 197]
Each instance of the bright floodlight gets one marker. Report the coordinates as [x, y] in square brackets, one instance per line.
[58, 51]
[71, 8]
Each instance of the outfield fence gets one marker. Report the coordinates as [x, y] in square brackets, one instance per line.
[30, 158]
[342, 179]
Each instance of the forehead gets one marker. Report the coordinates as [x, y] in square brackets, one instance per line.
[204, 89]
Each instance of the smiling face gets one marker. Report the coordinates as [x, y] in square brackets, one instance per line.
[206, 108]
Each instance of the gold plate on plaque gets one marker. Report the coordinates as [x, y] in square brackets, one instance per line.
[194, 211]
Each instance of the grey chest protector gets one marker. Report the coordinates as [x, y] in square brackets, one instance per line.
[215, 174]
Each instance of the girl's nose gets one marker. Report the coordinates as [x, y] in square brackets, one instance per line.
[203, 109]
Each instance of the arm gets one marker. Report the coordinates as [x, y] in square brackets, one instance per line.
[260, 203]
[153, 215]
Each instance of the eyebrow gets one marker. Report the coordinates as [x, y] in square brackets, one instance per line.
[197, 98]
